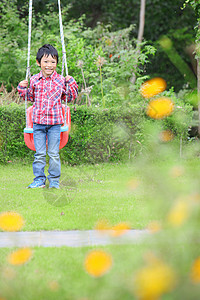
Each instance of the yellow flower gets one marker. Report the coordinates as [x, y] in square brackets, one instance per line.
[108, 42]
[97, 263]
[179, 213]
[166, 135]
[176, 171]
[154, 226]
[195, 271]
[11, 221]
[102, 225]
[53, 285]
[20, 257]
[8, 273]
[133, 184]
[154, 280]
[160, 108]
[119, 229]
[195, 198]
[153, 87]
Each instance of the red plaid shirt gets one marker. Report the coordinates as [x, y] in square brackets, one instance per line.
[47, 95]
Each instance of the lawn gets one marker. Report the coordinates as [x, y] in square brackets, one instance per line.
[58, 273]
[88, 194]
[131, 192]
[149, 189]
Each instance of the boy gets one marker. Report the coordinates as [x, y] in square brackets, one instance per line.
[47, 90]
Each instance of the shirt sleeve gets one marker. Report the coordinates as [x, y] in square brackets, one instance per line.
[23, 90]
[72, 89]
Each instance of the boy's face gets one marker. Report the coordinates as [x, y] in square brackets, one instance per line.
[48, 65]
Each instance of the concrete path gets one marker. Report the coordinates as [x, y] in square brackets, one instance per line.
[73, 238]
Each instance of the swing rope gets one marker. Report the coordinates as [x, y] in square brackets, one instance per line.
[64, 59]
[28, 75]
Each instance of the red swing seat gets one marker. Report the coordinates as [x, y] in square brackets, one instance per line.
[65, 129]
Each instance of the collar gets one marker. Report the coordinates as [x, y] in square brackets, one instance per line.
[52, 76]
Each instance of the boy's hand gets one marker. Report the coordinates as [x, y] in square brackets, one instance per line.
[24, 83]
[68, 77]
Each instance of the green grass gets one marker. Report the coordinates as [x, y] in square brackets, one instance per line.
[65, 266]
[87, 194]
[92, 193]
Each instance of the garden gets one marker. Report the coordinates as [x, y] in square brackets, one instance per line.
[131, 161]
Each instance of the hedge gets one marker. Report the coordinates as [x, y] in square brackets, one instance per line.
[96, 135]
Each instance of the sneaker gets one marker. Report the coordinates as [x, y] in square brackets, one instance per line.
[37, 184]
[54, 185]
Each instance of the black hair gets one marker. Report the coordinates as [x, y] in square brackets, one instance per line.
[47, 50]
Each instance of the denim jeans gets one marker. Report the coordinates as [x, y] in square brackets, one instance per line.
[46, 135]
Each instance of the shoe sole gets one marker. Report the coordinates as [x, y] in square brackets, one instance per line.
[36, 187]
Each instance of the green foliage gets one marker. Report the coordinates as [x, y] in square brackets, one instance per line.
[102, 135]
[85, 45]
[118, 60]
[12, 124]
[180, 121]
[12, 38]
[97, 135]
[196, 6]
[161, 18]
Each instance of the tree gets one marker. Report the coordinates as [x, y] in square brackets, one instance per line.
[196, 6]
[140, 33]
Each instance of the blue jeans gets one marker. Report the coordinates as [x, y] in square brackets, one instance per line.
[46, 135]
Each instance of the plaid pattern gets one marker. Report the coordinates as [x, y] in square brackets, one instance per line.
[47, 95]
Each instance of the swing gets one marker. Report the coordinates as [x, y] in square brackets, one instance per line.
[28, 131]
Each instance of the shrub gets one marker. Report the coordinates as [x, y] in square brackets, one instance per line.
[115, 48]
[96, 135]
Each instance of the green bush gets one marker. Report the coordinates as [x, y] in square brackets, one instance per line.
[99, 58]
[12, 123]
[97, 135]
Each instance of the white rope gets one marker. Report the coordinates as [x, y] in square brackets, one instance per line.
[28, 56]
[64, 59]
[62, 38]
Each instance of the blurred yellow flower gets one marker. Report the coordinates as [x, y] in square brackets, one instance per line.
[176, 171]
[119, 229]
[20, 257]
[11, 221]
[195, 198]
[154, 280]
[160, 108]
[195, 271]
[153, 87]
[53, 285]
[108, 42]
[8, 273]
[133, 184]
[102, 225]
[166, 136]
[154, 226]
[97, 263]
[179, 213]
